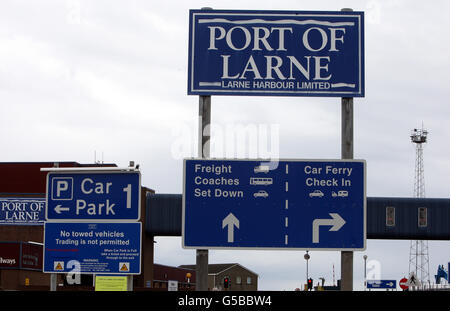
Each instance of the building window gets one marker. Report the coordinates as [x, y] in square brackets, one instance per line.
[390, 216]
[249, 280]
[422, 217]
[238, 280]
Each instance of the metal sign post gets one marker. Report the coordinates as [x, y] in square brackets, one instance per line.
[347, 153]
[203, 152]
[204, 135]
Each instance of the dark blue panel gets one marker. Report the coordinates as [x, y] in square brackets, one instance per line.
[111, 248]
[406, 218]
[297, 204]
[277, 53]
[93, 196]
[381, 284]
[22, 211]
[164, 213]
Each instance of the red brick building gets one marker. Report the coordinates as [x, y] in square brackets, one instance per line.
[163, 274]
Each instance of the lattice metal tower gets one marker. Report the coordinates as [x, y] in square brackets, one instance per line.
[418, 252]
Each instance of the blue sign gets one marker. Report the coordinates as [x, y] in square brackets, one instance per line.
[296, 204]
[280, 53]
[91, 248]
[22, 211]
[382, 284]
[93, 196]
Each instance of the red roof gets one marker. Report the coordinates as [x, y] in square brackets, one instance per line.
[26, 177]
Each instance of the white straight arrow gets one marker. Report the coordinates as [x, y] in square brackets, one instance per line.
[59, 209]
[230, 221]
[336, 222]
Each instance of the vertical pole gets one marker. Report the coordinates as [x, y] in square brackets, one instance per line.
[53, 276]
[204, 134]
[365, 272]
[306, 256]
[130, 283]
[307, 272]
[347, 153]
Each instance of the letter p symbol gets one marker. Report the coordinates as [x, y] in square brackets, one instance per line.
[62, 188]
[61, 185]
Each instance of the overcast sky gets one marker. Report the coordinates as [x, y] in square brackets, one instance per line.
[106, 80]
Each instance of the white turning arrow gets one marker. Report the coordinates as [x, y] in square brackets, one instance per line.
[336, 222]
[230, 221]
[59, 209]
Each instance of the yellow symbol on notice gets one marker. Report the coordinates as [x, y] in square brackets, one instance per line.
[124, 266]
[58, 265]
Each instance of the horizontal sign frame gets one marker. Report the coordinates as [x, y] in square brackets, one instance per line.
[54, 216]
[325, 219]
[276, 53]
[22, 211]
[381, 284]
[81, 244]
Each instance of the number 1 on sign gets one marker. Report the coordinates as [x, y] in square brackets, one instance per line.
[127, 189]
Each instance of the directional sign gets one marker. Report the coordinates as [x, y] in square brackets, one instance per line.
[279, 53]
[93, 196]
[382, 284]
[92, 248]
[295, 204]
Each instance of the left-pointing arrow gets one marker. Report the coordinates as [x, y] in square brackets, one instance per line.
[230, 221]
[59, 209]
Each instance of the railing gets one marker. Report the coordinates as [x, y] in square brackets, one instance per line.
[430, 287]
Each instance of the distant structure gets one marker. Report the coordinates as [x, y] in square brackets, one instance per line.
[441, 274]
[418, 252]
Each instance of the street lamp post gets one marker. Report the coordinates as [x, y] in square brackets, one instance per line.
[307, 258]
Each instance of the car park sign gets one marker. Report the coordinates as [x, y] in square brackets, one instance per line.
[280, 53]
[93, 196]
[285, 204]
[93, 221]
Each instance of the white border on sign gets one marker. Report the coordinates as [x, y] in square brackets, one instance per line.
[93, 171]
[53, 190]
[259, 14]
[100, 273]
[278, 248]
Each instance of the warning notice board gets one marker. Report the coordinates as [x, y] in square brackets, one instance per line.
[92, 248]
